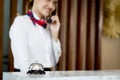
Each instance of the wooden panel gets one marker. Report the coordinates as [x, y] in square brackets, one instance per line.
[63, 7]
[13, 10]
[1, 35]
[24, 6]
[72, 36]
[99, 22]
[90, 35]
[81, 35]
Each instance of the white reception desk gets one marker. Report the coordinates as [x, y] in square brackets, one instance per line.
[65, 75]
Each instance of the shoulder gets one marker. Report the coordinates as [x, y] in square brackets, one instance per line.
[21, 18]
[20, 23]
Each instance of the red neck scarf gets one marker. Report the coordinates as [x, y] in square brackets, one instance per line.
[42, 22]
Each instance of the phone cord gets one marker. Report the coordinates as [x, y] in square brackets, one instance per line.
[53, 53]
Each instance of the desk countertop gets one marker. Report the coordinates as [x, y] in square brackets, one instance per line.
[65, 75]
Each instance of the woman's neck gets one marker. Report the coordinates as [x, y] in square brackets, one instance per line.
[37, 13]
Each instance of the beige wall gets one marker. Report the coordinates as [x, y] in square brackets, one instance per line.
[110, 53]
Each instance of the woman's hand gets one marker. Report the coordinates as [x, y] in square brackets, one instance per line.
[55, 27]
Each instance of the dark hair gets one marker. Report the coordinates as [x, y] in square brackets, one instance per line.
[29, 5]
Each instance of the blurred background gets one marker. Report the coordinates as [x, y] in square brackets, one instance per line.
[84, 47]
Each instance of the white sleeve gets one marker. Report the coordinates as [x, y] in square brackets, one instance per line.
[18, 36]
[57, 50]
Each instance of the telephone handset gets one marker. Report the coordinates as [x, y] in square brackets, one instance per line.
[49, 20]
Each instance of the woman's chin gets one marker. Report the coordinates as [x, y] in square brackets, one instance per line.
[46, 15]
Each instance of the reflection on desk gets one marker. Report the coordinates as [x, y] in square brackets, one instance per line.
[65, 75]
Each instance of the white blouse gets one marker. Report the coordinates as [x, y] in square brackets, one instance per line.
[32, 43]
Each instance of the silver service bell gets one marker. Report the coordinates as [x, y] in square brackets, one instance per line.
[36, 68]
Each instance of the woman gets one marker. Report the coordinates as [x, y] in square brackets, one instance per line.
[35, 40]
